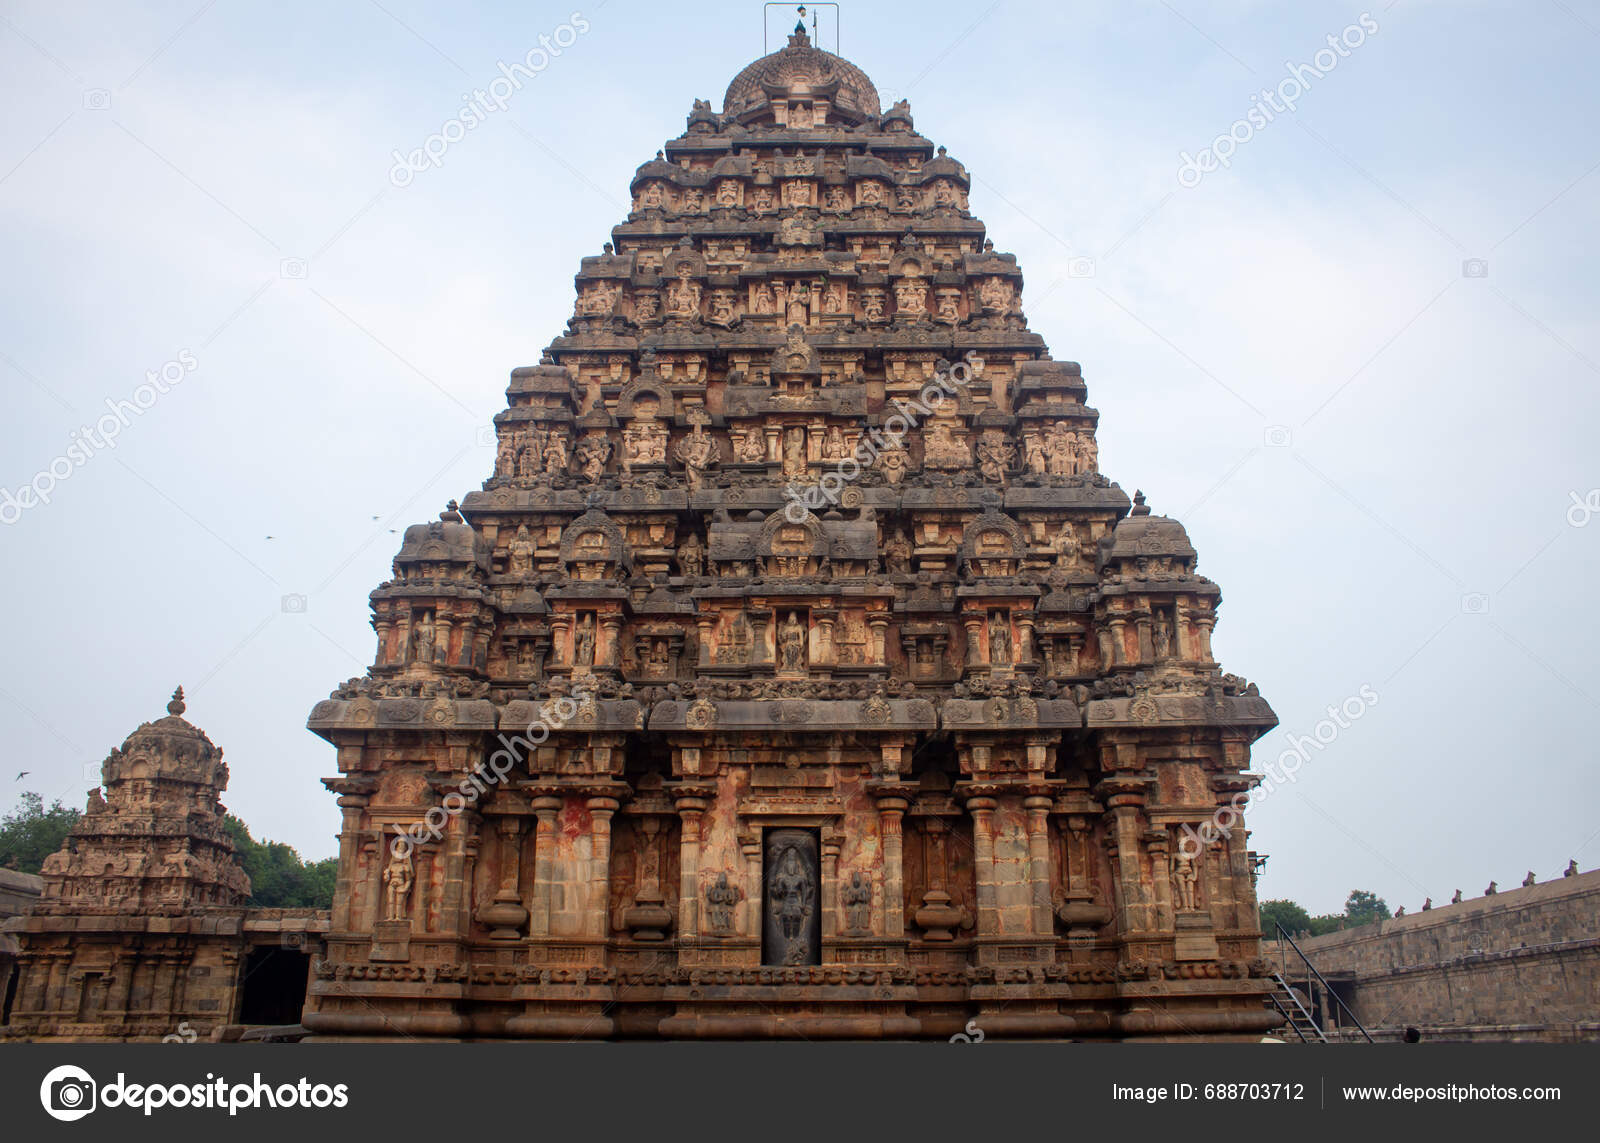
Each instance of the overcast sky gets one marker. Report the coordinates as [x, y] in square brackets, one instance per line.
[1359, 362]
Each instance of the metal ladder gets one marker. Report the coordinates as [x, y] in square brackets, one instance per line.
[1291, 1003]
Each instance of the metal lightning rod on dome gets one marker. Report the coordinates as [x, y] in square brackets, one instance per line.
[800, 25]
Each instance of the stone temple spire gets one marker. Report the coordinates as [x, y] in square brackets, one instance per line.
[154, 841]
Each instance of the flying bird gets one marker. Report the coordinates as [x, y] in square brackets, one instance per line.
[21, 774]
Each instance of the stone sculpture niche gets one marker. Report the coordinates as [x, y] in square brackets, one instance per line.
[792, 917]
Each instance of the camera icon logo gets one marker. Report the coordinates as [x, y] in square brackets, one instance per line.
[97, 99]
[68, 1093]
[293, 268]
[294, 604]
[1475, 603]
[1475, 268]
[1277, 436]
[1080, 267]
[487, 437]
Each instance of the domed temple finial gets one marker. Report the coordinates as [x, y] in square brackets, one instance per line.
[177, 706]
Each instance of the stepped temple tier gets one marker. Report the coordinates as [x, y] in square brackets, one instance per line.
[796, 672]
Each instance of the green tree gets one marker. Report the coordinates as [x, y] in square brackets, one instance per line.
[278, 876]
[1291, 916]
[1363, 907]
[30, 833]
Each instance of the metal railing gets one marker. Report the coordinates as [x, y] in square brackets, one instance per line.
[1288, 942]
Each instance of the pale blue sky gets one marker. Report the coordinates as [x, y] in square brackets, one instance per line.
[160, 162]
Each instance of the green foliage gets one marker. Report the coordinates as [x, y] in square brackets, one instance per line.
[30, 833]
[278, 877]
[1292, 917]
[1363, 907]
[1360, 908]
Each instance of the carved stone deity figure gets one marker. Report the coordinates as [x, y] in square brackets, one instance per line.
[555, 453]
[422, 639]
[520, 553]
[792, 897]
[1062, 450]
[763, 303]
[593, 454]
[910, 296]
[948, 307]
[873, 304]
[797, 309]
[722, 312]
[728, 193]
[1088, 455]
[691, 556]
[698, 452]
[792, 644]
[683, 297]
[856, 897]
[583, 642]
[397, 878]
[995, 455]
[505, 457]
[530, 457]
[794, 452]
[897, 553]
[1033, 458]
[833, 444]
[752, 447]
[1163, 638]
[941, 450]
[1184, 880]
[870, 193]
[999, 639]
[893, 462]
[720, 901]
[1066, 546]
[995, 294]
[644, 442]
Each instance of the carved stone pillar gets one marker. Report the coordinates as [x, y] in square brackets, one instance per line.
[1161, 877]
[1119, 644]
[1038, 808]
[831, 844]
[891, 812]
[704, 622]
[1203, 624]
[692, 805]
[611, 649]
[750, 850]
[982, 810]
[507, 915]
[1025, 637]
[974, 626]
[600, 813]
[878, 621]
[1147, 649]
[441, 636]
[544, 851]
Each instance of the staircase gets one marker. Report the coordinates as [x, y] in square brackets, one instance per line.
[1297, 1006]
[1293, 1009]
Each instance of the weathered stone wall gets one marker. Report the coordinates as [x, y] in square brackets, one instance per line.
[1522, 964]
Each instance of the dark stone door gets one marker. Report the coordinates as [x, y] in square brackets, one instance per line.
[792, 899]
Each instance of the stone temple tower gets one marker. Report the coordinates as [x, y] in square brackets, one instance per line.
[796, 671]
